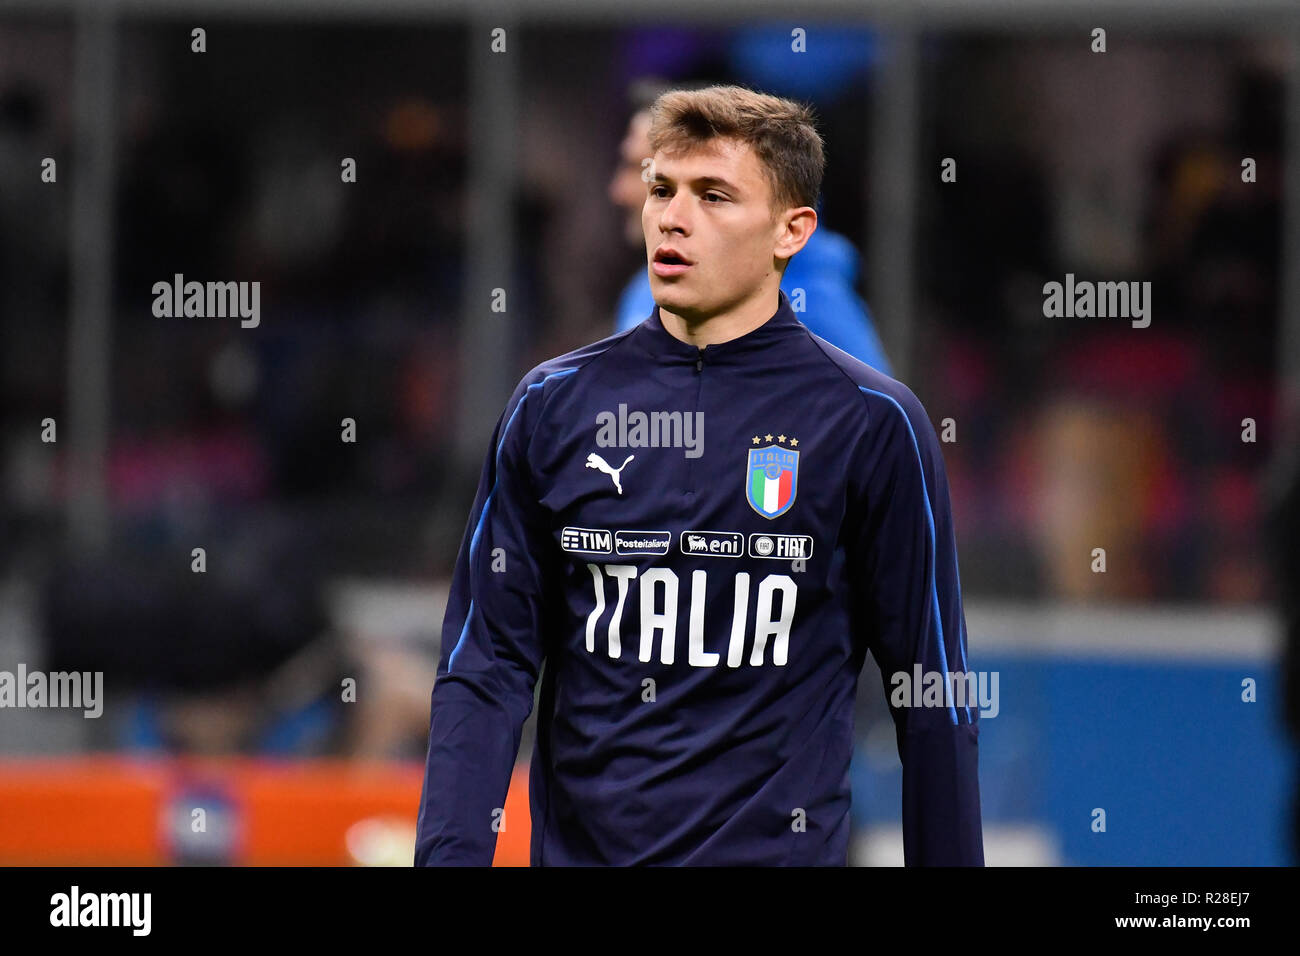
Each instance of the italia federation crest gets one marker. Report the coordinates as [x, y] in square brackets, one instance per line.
[771, 479]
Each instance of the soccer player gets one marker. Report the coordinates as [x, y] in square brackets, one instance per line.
[694, 531]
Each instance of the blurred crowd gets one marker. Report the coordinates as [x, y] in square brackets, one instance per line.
[1083, 433]
[1071, 435]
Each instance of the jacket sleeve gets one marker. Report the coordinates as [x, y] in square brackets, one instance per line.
[908, 610]
[492, 651]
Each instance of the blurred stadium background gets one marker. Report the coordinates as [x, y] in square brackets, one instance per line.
[328, 561]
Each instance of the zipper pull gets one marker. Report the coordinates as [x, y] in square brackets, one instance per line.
[699, 361]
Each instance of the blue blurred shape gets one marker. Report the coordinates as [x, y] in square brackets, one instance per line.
[835, 54]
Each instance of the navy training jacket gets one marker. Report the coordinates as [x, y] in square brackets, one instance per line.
[701, 545]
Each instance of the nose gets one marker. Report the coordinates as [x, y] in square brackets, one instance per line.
[673, 216]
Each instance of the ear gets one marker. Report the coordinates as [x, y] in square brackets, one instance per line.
[796, 228]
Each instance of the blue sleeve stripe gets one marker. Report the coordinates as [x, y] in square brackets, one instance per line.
[487, 503]
[929, 517]
[961, 645]
[461, 640]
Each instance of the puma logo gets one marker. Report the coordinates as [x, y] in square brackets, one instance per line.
[595, 461]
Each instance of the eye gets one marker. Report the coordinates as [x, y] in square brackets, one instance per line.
[654, 190]
[717, 196]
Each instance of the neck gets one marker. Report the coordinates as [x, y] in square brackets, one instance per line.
[718, 327]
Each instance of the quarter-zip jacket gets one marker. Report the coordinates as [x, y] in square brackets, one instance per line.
[701, 545]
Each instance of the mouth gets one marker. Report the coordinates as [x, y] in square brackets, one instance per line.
[669, 262]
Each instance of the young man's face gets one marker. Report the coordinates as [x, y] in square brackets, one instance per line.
[712, 206]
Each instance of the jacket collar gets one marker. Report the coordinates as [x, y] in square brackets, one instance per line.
[663, 345]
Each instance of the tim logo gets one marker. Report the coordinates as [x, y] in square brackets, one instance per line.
[594, 540]
[772, 479]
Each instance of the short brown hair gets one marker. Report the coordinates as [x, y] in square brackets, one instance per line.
[781, 132]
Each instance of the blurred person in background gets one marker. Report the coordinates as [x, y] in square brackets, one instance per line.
[826, 269]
